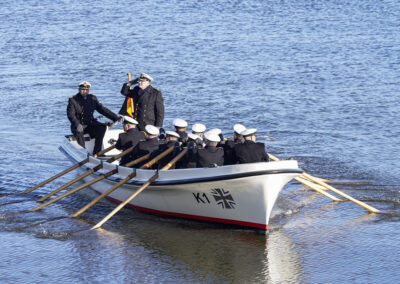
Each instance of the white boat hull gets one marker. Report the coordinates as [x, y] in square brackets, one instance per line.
[239, 194]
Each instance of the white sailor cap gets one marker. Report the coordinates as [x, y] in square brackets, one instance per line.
[144, 76]
[215, 130]
[180, 123]
[194, 136]
[198, 127]
[239, 128]
[84, 85]
[152, 130]
[212, 136]
[248, 132]
[172, 133]
[130, 120]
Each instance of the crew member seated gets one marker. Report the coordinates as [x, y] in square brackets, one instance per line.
[198, 141]
[80, 111]
[130, 137]
[229, 145]
[198, 129]
[171, 141]
[150, 145]
[210, 155]
[250, 151]
[180, 128]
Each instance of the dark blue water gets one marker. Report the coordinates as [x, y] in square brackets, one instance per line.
[319, 80]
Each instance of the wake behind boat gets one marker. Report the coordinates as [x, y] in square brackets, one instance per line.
[241, 194]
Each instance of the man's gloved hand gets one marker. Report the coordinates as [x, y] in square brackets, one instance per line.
[79, 128]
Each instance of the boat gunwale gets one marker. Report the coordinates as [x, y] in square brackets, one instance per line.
[188, 180]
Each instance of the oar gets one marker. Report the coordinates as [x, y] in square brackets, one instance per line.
[317, 188]
[358, 202]
[114, 187]
[306, 182]
[327, 186]
[143, 187]
[89, 172]
[67, 170]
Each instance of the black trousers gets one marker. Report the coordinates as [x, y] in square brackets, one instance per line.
[95, 131]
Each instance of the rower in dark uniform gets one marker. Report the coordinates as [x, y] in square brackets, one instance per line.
[229, 145]
[198, 129]
[144, 103]
[190, 159]
[180, 128]
[80, 111]
[131, 137]
[148, 146]
[250, 151]
[210, 155]
[171, 140]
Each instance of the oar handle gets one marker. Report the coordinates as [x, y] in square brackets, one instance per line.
[157, 158]
[127, 151]
[176, 159]
[106, 150]
[137, 161]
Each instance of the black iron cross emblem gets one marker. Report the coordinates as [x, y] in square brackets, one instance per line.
[223, 198]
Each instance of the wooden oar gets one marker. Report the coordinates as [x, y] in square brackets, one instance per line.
[89, 172]
[67, 170]
[272, 157]
[114, 187]
[358, 202]
[139, 190]
[327, 186]
[316, 188]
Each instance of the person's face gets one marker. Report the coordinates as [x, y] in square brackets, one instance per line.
[143, 84]
[83, 92]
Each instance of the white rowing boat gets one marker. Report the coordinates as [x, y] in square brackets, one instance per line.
[242, 194]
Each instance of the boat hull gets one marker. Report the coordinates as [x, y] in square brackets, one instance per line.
[239, 194]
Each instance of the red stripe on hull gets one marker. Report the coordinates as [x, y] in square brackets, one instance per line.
[195, 217]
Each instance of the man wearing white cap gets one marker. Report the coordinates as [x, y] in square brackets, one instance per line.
[171, 141]
[144, 103]
[80, 111]
[229, 145]
[180, 128]
[150, 145]
[198, 129]
[130, 137]
[210, 155]
[250, 151]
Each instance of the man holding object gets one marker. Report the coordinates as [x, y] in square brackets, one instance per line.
[144, 103]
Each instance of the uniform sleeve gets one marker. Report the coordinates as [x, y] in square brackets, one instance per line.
[159, 110]
[105, 111]
[125, 91]
[71, 113]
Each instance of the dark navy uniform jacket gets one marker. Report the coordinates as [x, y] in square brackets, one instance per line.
[250, 152]
[148, 105]
[145, 147]
[210, 156]
[80, 111]
[127, 140]
[229, 152]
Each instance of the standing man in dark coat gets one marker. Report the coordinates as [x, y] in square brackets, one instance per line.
[130, 137]
[144, 102]
[211, 155]
[250, 151]
[80, 111]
